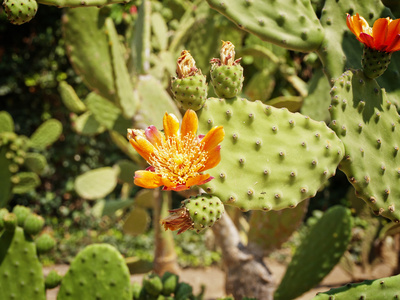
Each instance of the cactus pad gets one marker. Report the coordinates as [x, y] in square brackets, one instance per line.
[368, 125]
[286, 156]
[319, 251]
[25, 182]
[382, 288]
[20, 11]
[70, 98]
[6, 122]
[96, 184]
[46, 134]
[97, 272]
[20, 270]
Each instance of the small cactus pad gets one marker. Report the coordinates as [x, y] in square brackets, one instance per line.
[21, 212]
[227, 80]
[53, 279]
[44, 243]
[33, 224]
[46, 134]
[97, 272]
[289, 24]
[319, 251]
[368, 125]
[374, 62]
[20, 11]
[190, 92]
[97, 183]
[382, 288]
[285, 156]
[152, 284]
[20, 270]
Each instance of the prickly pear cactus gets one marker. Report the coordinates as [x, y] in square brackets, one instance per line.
[317, 254]
[20, 270]
[382, 288]
[46, 134]
[20, 11]
[368, 125]
[97, 272]
[285, 156]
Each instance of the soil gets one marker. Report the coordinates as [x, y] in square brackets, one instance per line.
[214, 281]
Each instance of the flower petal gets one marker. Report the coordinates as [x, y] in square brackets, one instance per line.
[154, 136]
[367, 40]
[393, 31]
[213, 138]
[171, 125]
[214, 157]
[189, 123]
[143, 147]
[395, 45]
[198, 180]
[379, 31]
[147, 179]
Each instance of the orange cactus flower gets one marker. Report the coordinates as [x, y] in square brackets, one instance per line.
[383, 36]
[177, 159]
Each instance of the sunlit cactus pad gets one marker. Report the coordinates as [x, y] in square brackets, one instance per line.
[97, 272]
[368, 125]
[382, 288]
[271, 158]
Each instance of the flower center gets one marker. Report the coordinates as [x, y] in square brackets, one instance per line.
[179, 159]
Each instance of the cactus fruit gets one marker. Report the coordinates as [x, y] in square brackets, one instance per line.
[170, 283]
[367, 123]
[44, 243]
[10, 221]
[227, 73]
[286, 156]
[319, 251]
[21, 212]
[53, 279]
[20, 270]
[190, 86]
[3, 212]
[97, 272]
[20, 11]
[33, 224]
[152, 284]
[375, 62]
[196, 213]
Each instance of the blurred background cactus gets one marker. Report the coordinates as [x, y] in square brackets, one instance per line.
[278, 152]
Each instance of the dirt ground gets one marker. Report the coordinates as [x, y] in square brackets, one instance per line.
[213, 279]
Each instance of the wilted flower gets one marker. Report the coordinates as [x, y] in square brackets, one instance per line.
[177, 158]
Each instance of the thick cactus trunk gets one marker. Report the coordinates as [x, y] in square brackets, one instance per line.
[241, 265]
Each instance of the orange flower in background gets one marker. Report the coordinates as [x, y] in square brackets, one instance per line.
[177, 158]
[383, 36]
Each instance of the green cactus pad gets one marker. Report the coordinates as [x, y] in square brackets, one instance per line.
[20, 270]
[21, 212]
[170, 282]
[97, 272]
[33, 224]
[44, 243]
[70, 98]
[374, 62]
[183, 291]
[89, 50]
[190, 92]
[289, 24]
[269, 230]
[35, 162]
[227, 80]
[5, 177]
[20, 11]
[126, 170]
[6, 122]
[96, 184]
[286, 156]
[368, 125]
[86, 124]
[382, 288]
[25, 182]
[204, 210]
[319, 251]
[53, 279]
[3, 212]
[46, 134]
[137, 221]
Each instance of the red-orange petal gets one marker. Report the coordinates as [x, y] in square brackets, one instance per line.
[214, 158]
[395, 45]
[171, 125]
[199, 179]
[392, 31]
[379, 31]
[154, 136]
[367, 40]
[147, 179]
[351, 26]
[189, 123]
[213, 138]
[143, 147]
